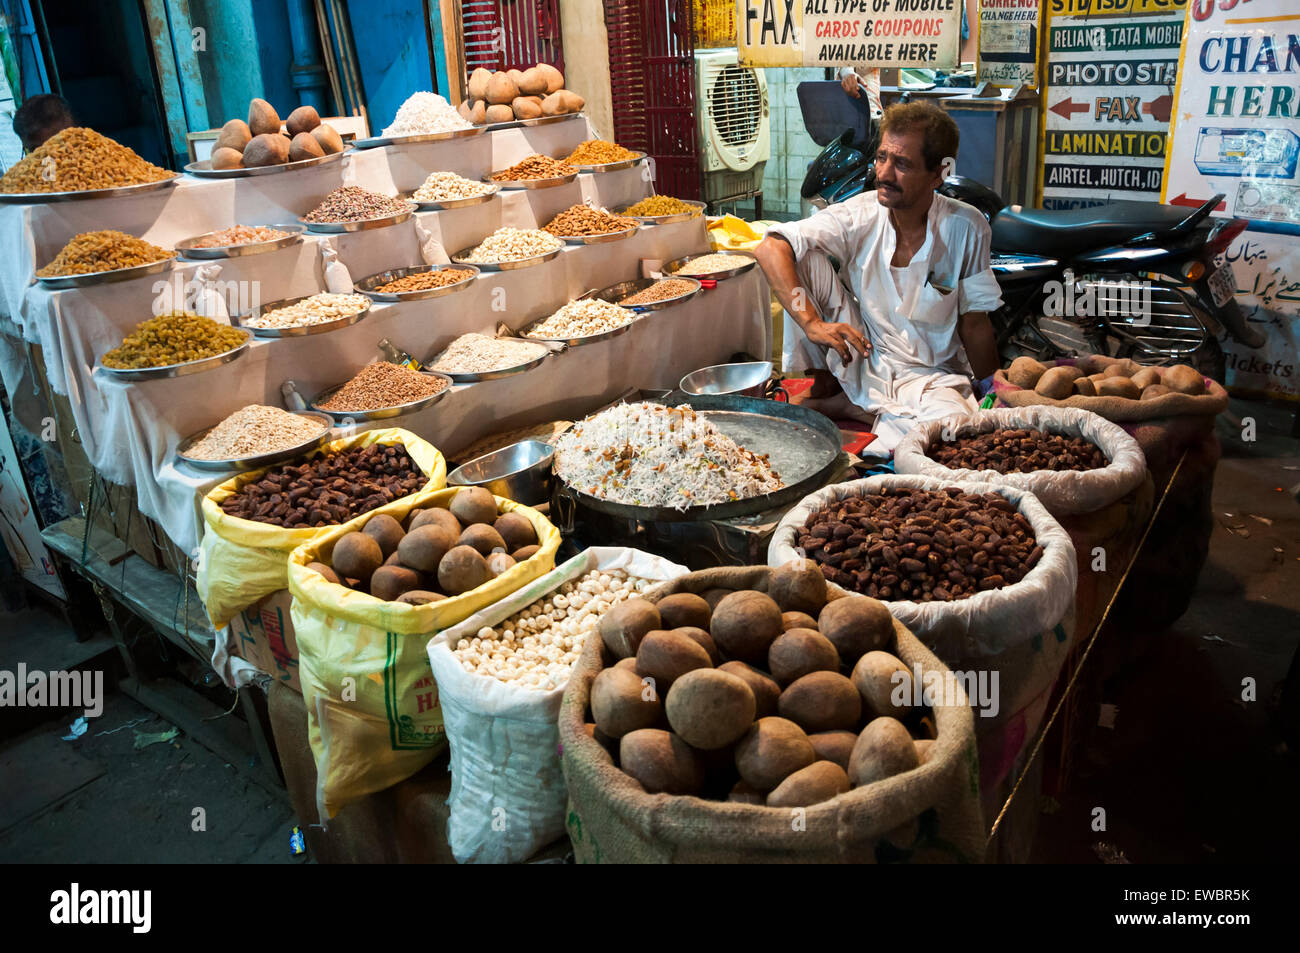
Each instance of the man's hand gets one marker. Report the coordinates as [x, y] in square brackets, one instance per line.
[849, 80]
[844, 338]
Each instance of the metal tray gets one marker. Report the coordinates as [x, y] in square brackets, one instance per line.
[375, 142]
[803, 447]
[532, 183]
[598, 167]
[665, 219]
[625, 289]
[599, 239]
[257, 461]
[578, 341]
[238, 320]
[498, 374]
[36, 198]
[176, 370]
[203, 168]
[670, 267]
[63, 282]
[451, 203]
[187, 249]
[542, 120]
[381, 413]
[338, 228]
[366, 286]
[456, 259]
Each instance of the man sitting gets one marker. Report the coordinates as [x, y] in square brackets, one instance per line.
[888, 293]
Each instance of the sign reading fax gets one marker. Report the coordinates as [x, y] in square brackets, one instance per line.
[872, 33]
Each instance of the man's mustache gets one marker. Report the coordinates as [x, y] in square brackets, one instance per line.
[888, 185]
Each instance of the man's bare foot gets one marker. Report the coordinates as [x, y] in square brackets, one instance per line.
[838, 407]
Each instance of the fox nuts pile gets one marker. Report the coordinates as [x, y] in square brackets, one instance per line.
[328, 489]
[1018, 451]
[922, 545]
[783, 698]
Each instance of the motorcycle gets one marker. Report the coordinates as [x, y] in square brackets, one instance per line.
[1123, 278]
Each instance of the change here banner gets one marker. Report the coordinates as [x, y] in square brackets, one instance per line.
[1235, 132]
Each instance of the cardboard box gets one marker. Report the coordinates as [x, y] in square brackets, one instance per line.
[263, 636]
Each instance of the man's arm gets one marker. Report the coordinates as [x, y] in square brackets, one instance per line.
[776, 258]
[976, 332]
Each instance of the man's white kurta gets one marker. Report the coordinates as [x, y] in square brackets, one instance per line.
[917, 367]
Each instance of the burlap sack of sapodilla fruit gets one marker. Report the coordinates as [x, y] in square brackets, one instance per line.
[1020, 633]
[1164, 577]
[242, 561]
[373, 715]
[1104, 510]
[930, 814]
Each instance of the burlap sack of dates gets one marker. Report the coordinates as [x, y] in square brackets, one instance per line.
[373, 717]
[930, 814]
[1164, 578]
[1021, 632]
[241, 561]
[1104, 510]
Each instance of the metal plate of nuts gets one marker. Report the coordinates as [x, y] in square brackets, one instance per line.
[64, 282]
[260, 460]
[117, 191]
[203, 168]
[698, 210]
[336, 228]
[322, 328]
[600, 239]
[445, 204]
[616, 166]
[176, 370]
[744, 262]
[381, 413]
[576, 341]
[374, 142]
[497, 374]
[626, 289]
[459, 259]
[187, 248]
[369, 286]
[532, 183]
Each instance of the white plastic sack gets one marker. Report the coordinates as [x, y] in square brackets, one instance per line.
[508, 794]
[987, 623]
[1064, 492]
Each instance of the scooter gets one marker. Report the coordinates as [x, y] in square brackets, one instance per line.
[1128, 279]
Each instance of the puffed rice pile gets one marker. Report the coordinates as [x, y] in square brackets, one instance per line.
[424, 113]
[537, 647]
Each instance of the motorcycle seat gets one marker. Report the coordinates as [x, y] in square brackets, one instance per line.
[1065, 232]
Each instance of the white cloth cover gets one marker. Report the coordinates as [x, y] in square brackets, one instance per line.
[987, 623]
[1064, 492]
[508, 793]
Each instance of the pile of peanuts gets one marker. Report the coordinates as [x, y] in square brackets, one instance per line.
[538, 646]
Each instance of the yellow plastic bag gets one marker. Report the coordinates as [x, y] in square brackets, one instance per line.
[729, 232]
[373, 717]
[240, 560]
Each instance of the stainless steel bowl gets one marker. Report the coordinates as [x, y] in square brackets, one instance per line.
[740, 380]
[519, 472]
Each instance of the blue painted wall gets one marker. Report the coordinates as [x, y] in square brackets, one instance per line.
[393, 54]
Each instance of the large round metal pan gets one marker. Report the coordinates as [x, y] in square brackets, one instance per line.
[176, 370]
[802, 446]
[745, 261]
[625, 289]
[374, 142]
[259, 460]
[295, 331]
[370, 286]
[36, 198]
[188, 250]
[381, 413]
[203, 168]
[64, 282]
[696, 210]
